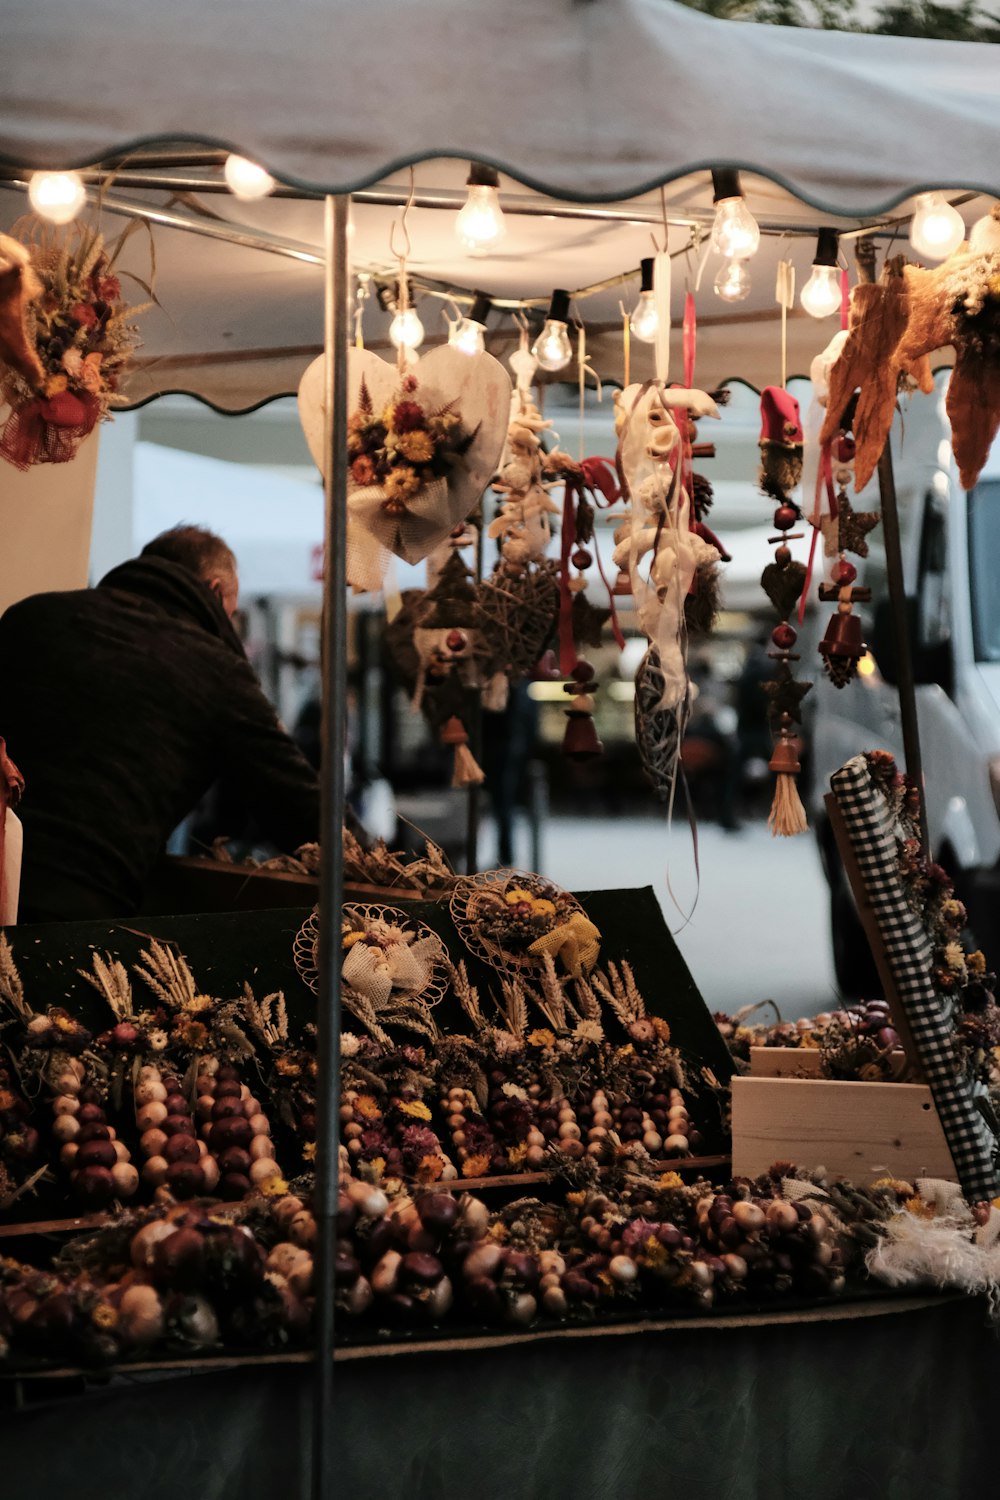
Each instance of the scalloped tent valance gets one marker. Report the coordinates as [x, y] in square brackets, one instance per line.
[587, 99]
[583, 99]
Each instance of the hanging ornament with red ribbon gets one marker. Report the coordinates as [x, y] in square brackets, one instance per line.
[843, 530]
[668, 555]
[783, 580]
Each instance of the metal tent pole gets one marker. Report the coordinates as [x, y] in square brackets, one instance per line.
[905, 679]
[331, 887]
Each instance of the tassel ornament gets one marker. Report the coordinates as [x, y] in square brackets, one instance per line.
[466, 771]
[787, 816]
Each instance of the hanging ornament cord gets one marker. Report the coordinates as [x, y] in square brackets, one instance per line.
[600, 479]
[361, 297]
[680, 775]
[662, 273]
[784, 295]
[678, 770]
[402, 255]
[626, 346]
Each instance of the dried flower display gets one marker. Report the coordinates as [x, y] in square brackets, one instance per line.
[196, 1278]
[62, 375]
[512, 920]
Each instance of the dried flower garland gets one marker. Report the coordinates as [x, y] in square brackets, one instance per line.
[81, 334]
[203, 1277]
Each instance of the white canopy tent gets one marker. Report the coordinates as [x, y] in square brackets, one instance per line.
[585, 100]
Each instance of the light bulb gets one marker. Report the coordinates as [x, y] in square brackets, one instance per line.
[937, 228]
[821, 294]
[246, 180]
[480, 221]
[467, 335]
[406, 330]
[735, 233]
[733, 282]
[552, 347]
[645, 319]
[57, 196]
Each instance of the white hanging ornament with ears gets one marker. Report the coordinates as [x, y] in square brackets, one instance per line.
[395, 502]
[650, 448]
[648, 422]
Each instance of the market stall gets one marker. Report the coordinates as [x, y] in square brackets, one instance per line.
[578, 1060]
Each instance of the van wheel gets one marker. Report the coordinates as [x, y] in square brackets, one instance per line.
[853, 964]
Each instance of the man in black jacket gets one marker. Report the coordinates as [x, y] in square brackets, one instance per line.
[121, 705]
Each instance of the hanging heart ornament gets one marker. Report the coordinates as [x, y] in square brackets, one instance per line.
[422, 447]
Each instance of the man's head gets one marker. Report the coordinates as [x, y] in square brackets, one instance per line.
[205, 555]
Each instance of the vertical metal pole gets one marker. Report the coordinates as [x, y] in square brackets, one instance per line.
[334, 674]
[475, 731]
[905, 680]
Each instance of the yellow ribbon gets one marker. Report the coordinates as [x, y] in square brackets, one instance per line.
[576, 942]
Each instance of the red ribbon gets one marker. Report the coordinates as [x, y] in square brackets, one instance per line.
[600, 477]
[49, 430]
[824, 477]
[845, 300]
[690, 339]
[601, 480]
[567, 650]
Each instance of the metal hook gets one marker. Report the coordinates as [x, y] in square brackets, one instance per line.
[400, 224]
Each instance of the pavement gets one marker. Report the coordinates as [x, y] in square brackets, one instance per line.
[752, 922]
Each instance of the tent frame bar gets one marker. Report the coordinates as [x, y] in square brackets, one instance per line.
[333, 789]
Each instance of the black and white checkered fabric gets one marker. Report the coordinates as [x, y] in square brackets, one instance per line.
[870, 825]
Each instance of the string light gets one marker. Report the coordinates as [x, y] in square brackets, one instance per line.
[735, 232]
[821, 295]
[406, 330]
[480, 222]
[468, 334]
[645, 319]
[937, 229]
[733, 282]
[552, 347]
[246, 180]
[57, 196]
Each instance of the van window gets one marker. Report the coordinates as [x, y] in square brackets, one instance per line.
[984, 575]
[933, 602]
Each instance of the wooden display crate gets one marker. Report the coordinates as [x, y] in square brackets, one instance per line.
[785, 1111]
[855, 1130]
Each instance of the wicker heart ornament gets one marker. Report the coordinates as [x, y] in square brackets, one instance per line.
[423, 444]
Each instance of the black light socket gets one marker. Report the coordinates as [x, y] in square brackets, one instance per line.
[646, 268]
[725, 184]
[559, 307]
[482, 176]
[827, 248]
[480, 308]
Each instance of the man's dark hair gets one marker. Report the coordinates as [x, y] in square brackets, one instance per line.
[202, 552]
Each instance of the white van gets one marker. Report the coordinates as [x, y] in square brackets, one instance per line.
[951, 564]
